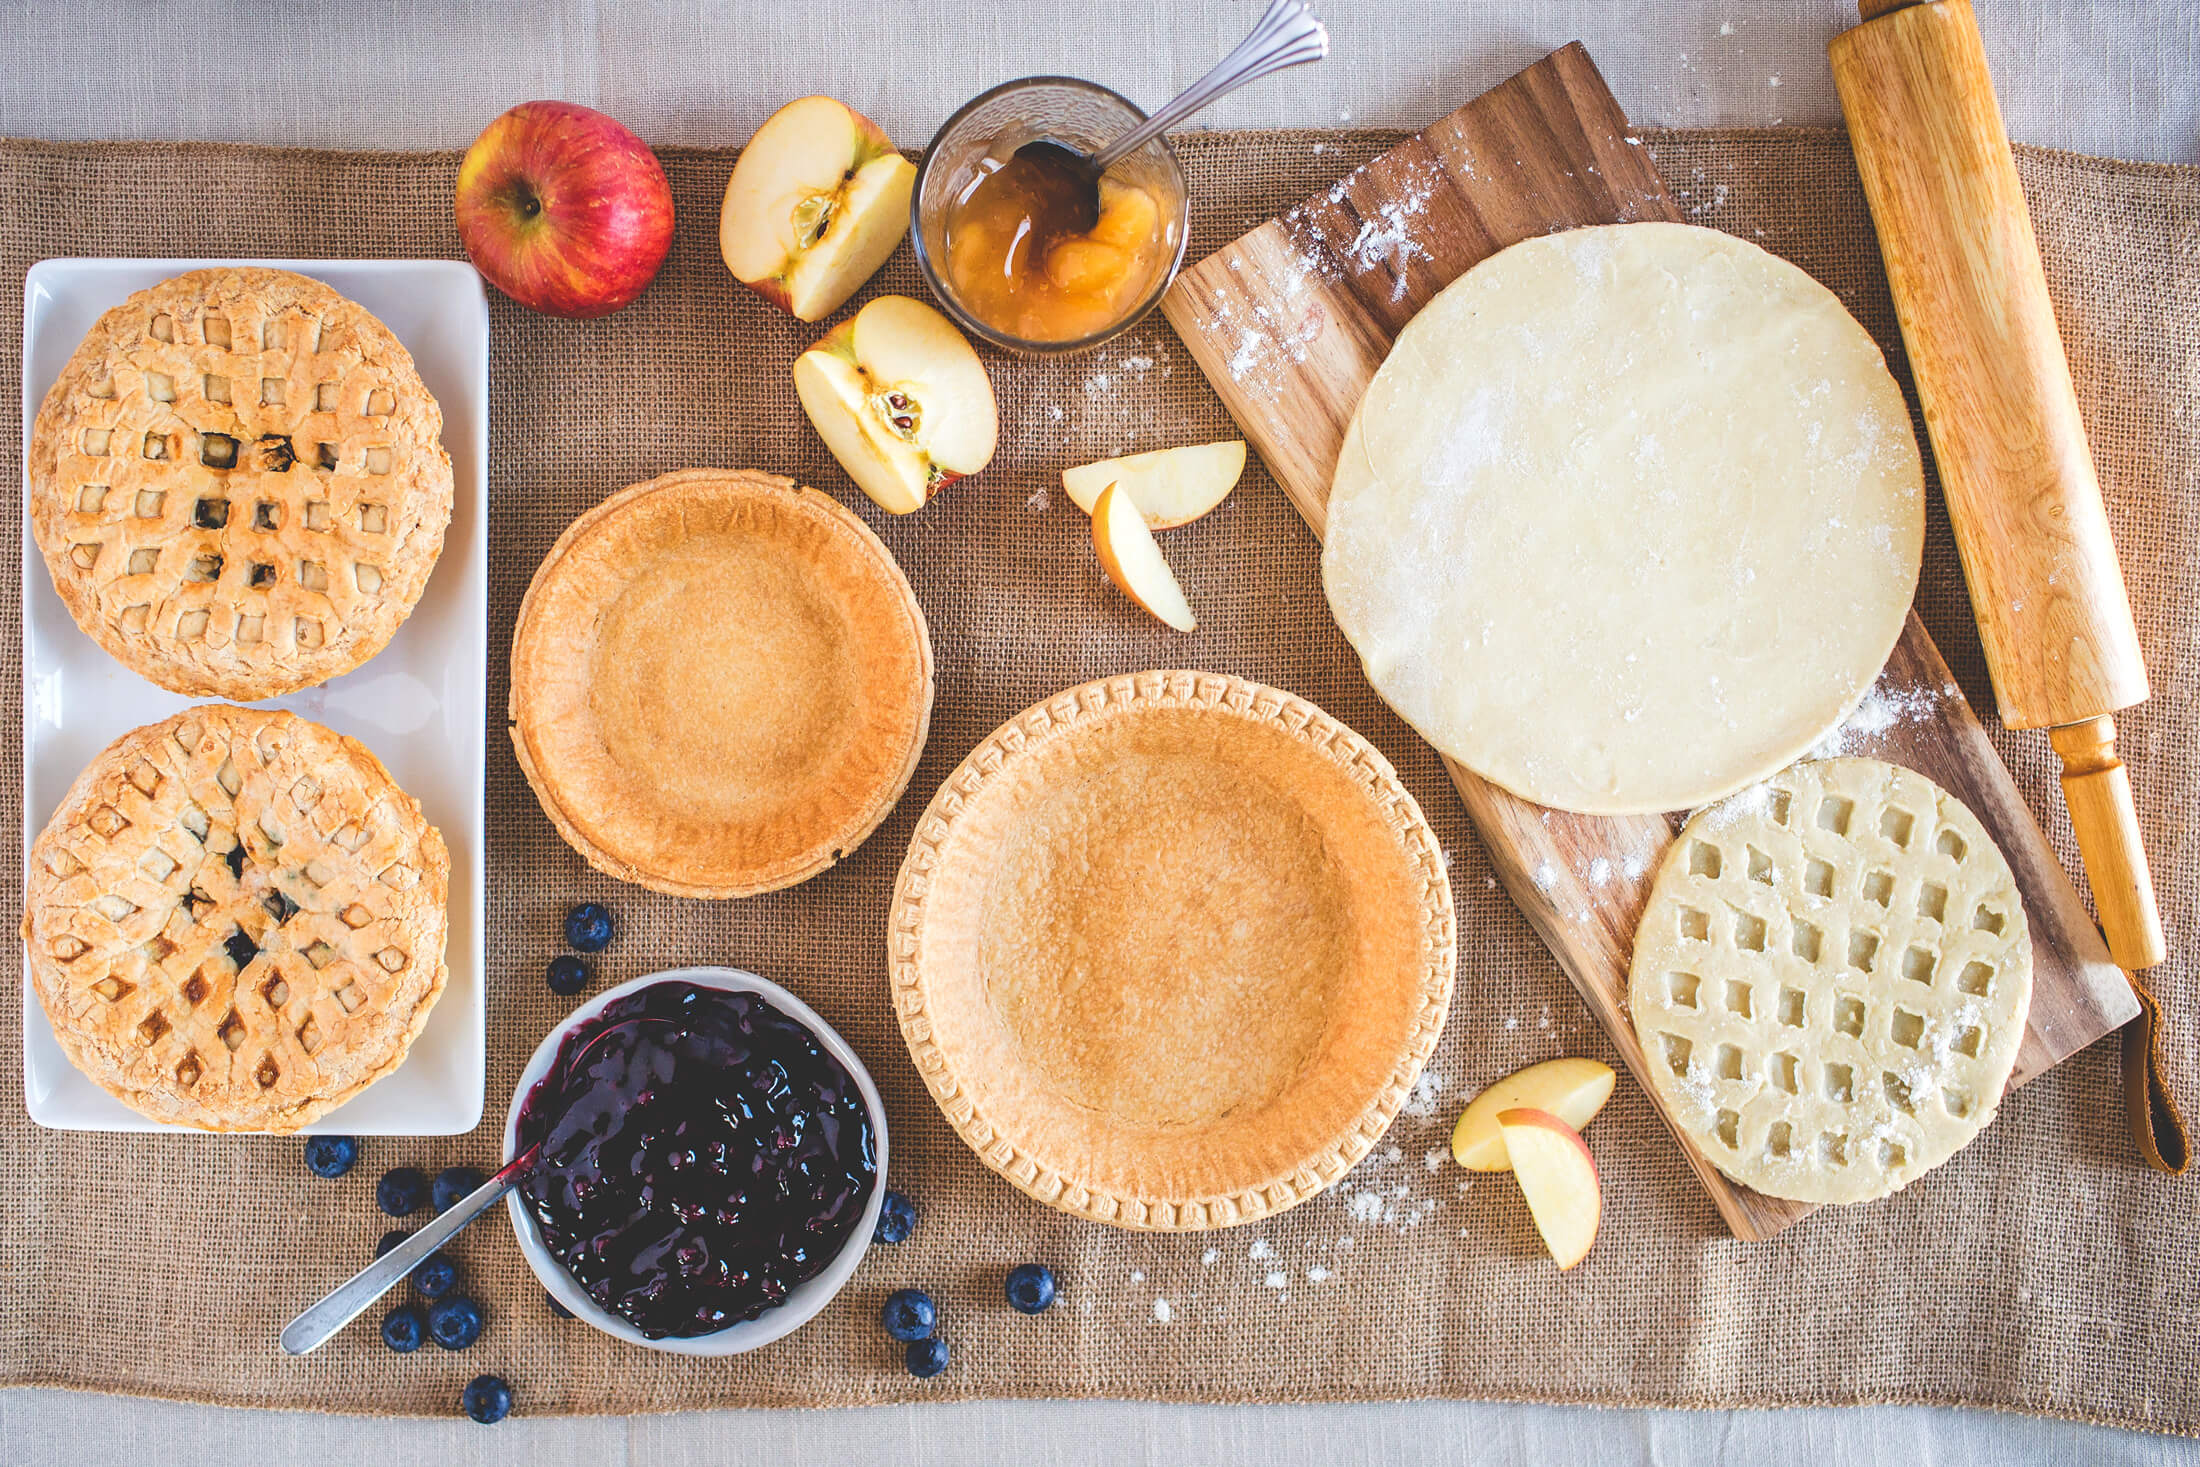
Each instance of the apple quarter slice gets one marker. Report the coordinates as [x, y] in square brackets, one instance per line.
[1170, 486]
[1558, 1176]
[1572, 1089]
[1133, 561]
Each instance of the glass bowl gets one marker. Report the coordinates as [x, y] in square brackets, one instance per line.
[1081, 113]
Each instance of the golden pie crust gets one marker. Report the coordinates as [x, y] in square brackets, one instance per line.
[238, 483]
[721, 683]
[1170, 949]
[236, 919]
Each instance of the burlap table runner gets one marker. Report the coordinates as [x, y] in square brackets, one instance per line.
[2040, 1270]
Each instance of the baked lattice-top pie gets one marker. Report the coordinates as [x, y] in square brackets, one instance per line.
[1831, 980]
[235, 919]
[1171, 949]
[238, 483]
[721, 683]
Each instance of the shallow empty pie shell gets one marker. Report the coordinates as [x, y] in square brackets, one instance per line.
[720, 683]
[1169, 949]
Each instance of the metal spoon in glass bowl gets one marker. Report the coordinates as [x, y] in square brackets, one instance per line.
[1290, 34]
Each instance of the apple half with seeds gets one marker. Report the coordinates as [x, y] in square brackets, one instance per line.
[901, 400]
[817, 201]
[1170, 486]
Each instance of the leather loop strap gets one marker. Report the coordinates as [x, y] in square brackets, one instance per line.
[2155, 1123]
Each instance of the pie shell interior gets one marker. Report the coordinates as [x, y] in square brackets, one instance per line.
[721, 683]
[1170, 949]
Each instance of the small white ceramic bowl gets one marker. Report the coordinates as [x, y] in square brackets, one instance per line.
[807, 1298]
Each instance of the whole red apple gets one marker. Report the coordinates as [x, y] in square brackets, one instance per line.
[564, 209]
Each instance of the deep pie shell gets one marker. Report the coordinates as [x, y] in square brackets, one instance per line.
[134, 919]
[1170, 949]
[721, 683]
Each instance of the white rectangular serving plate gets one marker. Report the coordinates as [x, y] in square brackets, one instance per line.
[420, 704]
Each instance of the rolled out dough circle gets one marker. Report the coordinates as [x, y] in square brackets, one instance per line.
[1629, 519]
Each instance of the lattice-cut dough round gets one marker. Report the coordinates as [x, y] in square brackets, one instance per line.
[1630, 518]
[1831, 980]
[238, 483]
[236, 919]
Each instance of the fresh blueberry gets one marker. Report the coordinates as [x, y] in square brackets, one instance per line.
[909, 1315]
[558, 1309]
[435, 1275]
[897, 1218]
[454, 1321]
[588, 928]
[452, 1184]
[390, 1240]
[402, 1328]
[402, 1191]
[1030, 1287]
[486, 1399]
[331, 1156]
[925, 1358]
[566, 975]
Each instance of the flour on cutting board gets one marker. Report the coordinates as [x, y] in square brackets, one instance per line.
[1269, 339]
[1884, 708]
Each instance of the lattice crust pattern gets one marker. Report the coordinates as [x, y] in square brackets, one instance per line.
[1831, 980]
[930, 868]
[238, 484]
[236, 919]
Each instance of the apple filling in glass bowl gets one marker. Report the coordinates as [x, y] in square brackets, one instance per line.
[1019, 262]
[1017, 248]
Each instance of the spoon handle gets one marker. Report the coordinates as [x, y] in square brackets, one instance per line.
[348, 1300]
[1288, 35]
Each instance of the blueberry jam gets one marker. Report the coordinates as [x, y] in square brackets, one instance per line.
[702, 1155]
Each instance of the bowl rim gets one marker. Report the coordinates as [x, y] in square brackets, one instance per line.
[807, 1299]
[1007, 341]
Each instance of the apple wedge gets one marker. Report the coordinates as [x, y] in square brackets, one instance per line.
[1558, 1176]
[901, 400]
[817, 201]
[1133, 561]
[1574, 1090]
[1170, 486]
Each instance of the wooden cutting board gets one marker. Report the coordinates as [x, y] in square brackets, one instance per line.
[1290, 322]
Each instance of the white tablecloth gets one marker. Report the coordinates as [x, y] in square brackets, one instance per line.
[2115, 77]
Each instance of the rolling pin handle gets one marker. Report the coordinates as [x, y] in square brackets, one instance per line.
[2106, 822]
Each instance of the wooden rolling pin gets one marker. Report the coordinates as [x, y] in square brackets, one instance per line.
[2022, 495]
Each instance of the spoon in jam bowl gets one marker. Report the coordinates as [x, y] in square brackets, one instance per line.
[1288, 35]
[697, 1166]
[318, 1322]
[348, 1300]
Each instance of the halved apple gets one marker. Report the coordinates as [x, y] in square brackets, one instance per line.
[1133, 561]
[817, 201]
[1574, 1090]
[1170, 486]
[1558, 1176]
[901, 400]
